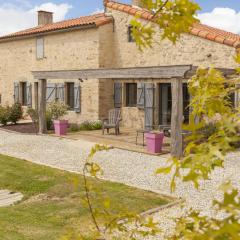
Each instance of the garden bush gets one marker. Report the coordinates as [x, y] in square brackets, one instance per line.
[49, 120]
[57, 110]
[4, 115]
[74, 127]
[15, 113]
[11, 114]
[86, 126]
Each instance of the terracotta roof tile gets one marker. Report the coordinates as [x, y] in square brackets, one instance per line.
[92, 20]
[198, 29]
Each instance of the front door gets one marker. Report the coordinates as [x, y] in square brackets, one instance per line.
[165, 103]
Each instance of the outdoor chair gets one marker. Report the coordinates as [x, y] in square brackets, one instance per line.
[113, 121]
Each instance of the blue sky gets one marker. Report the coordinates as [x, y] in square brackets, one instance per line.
[21, 14]
[84, 7]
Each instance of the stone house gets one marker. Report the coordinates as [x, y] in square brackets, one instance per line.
[103, 41]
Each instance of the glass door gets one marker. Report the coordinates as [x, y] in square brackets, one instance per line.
[165, 103]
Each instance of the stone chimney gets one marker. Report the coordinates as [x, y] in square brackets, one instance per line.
[137, 3]
[45, 17]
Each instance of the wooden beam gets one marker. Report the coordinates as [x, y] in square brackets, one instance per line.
[177, 118]
[177, 71]
[42, 106]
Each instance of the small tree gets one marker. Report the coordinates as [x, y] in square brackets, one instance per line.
[15, 113]
[57, 110]
[33, 114]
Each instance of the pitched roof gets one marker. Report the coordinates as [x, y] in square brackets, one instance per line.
[198, 29]
[92, 20]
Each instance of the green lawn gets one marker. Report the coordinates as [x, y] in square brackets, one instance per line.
[53, 204]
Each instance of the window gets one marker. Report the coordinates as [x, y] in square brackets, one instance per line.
[130, 37]
[23, 93]
[40, 48]
[70, 95]
[131, 94]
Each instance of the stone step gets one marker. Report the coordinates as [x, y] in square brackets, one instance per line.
[7, 198]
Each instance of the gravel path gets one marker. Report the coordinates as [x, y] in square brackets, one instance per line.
[131, 168]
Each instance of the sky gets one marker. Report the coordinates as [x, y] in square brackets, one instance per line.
[16, 15]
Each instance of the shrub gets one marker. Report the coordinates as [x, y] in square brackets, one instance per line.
[74, 128]
[4, 115]
[86, 126]
[16, 113]
[57, 110]
[33, 114]
[96, 125]
[49, 120]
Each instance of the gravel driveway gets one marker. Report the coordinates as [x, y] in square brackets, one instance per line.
[131, 168]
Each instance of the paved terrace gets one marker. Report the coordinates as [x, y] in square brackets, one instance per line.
[131, 168]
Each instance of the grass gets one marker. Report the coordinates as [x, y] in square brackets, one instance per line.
[53, 203]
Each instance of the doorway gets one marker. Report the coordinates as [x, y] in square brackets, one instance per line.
[165, 103]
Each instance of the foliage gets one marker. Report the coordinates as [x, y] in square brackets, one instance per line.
[10, 114]
[130, 224]
[215, 133]
[211, 105]
[52, 204]
[49, 118]
[4, 115]
[86, 126]
[57, 109]
[173, 17]
[198, 227]
[33, 114]
[16, 113]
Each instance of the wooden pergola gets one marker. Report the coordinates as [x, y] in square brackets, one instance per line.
[176, 74]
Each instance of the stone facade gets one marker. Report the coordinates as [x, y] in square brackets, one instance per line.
[188, 50]
[104, 47]
[63, 51]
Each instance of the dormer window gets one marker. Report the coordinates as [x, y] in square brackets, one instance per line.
[40, 48]
[130, 36]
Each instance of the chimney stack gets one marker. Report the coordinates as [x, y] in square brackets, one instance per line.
[45, 17]
[137, 3]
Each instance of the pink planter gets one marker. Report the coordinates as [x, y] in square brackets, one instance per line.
[154, 142]
[60, 127]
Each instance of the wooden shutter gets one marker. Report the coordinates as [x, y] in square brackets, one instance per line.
[149, 105]
[77, 98]
[51, 92]
[40, 48]
[140, 95]
[60, 92]
[16, 92]
[29, 94]
[117, 95]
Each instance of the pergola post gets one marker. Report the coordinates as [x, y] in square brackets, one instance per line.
[177, 118]
[42, 106]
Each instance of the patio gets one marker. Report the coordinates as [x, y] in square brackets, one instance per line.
[126, 140]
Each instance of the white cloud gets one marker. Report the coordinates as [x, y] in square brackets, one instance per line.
[14, 18]
[97, 10]
[224, 18]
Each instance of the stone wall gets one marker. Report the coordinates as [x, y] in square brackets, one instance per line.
[63, 51]
[132, 117]
[188, 50]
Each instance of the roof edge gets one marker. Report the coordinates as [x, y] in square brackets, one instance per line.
[146, 15]
[39, 34]
[35, 32]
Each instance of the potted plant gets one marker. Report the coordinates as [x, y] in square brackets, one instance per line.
[154, 141]
[57, 110]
